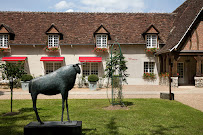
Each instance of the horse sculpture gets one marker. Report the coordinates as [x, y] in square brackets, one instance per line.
[59, 81]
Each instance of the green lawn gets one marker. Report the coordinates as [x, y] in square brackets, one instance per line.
[144, 117]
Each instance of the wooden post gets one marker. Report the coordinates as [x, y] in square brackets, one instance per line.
[170, 74]
[164, 63]
[175, 65]
[167, 63]
[198, 67]
[161, 63]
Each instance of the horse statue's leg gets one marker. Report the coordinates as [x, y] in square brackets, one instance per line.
[67, 108]
[34, 100]
[63, 100]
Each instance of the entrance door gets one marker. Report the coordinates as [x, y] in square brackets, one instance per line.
[181, 73]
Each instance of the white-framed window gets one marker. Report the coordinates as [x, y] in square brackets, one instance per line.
[90, 68]
[3, 41]
[52, 66]
[152, 41]
[53, 41]
[149, 67]
[101, 41]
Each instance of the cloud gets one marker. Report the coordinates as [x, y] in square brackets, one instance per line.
[70, 10]
[113, 5]
[63, 5]
[101, 6]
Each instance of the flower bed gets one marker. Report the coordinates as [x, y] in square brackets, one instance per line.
[164, 74]
[163, 79]
[51, 49]
[100, 49]
[150, 76]
[5, 49]
[151, 50]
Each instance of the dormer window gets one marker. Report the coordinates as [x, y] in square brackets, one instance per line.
[53, 41]
[3, 41]
[54, 35]
[101, 41]
[151, 40]
[102, 35]
[6, 34]
[151, 36]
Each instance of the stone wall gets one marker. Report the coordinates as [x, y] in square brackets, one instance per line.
[198, 81]
[165, 82]
[174, 81]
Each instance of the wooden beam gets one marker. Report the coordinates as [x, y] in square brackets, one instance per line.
[198, 66]
[191, 54]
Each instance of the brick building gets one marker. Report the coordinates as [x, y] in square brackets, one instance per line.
[48, 40]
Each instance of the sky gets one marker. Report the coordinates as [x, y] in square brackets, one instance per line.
[146, 6]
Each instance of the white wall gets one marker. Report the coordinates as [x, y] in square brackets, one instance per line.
[134, 54]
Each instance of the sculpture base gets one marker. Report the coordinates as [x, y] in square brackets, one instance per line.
[53, 128]
[166, 96]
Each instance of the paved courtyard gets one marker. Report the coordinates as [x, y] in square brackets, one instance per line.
[188, 95]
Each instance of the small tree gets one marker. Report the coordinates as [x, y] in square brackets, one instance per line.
[12, 72]
[116, 70]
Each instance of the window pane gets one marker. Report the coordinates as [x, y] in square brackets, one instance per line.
[1, 40]
[90, 68]
[86, 69]
[94, 68]
[99, 41]
[50, 41]
[5, 40]
[146, 67]
[180, 70]
[104, 41]
[149, 67]
[151, 41]
[56, 40]
[49, 68]
[57, 66]
[154, 40]
[53, 40]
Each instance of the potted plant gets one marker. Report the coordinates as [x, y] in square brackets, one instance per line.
[51, 49]
[151, 50]
[25, 81]
[5, 49]
[93, 81]
[149, 76]
[100, 49]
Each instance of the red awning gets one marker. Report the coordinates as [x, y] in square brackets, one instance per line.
[13, 58]
[90, 59]
[52, 59]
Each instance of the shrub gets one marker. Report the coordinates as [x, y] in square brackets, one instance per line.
[116, 81]
[93, 78]
[26, 77]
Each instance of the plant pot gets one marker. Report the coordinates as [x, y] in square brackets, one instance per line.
[25, 85]
[92, 85]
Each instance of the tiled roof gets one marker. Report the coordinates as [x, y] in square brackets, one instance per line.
[79, 28]
[186, 14]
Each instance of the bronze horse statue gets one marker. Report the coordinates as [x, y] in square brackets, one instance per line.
[59, 81]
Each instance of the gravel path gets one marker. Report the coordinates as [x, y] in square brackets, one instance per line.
[187, 95]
